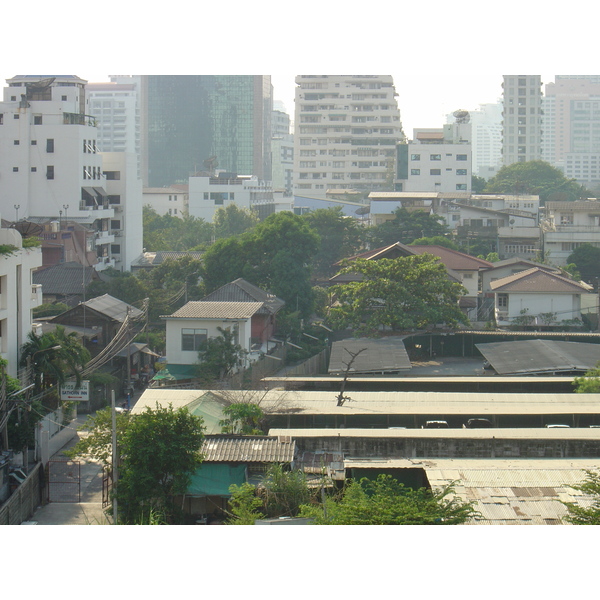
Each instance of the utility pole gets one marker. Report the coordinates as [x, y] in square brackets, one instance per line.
[115, 474]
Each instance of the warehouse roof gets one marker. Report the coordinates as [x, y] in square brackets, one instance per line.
[248, 449]
[538, 356]
[379, 355]
[215, 310]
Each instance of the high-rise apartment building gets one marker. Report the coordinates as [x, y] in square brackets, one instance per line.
[486, 139]
[282, 151]
[346, 129]
[522, 118]
[189, 121]
[571, 126]
[51, 164]
[115, 106]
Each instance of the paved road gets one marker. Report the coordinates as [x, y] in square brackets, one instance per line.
[89, 510]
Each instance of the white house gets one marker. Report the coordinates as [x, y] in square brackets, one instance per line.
[18, 296]
[545, 298]
[171, 201]
[191, 325]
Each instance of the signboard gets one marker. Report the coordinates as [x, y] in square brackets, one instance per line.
[70, 392]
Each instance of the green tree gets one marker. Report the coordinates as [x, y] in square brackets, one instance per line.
[53, 357]
[477, 184]
[340, 236]
[159, 451]
[169, 233]
[406, 227]
[404, 293]
[244, 505]
[274, 256]
[437, 240]
[243, 418]
[589, 515]
[219, 356]
[233, 220]
[589, 383]
[586, 259]
[535, 177]
[122, 285]
[385, 501]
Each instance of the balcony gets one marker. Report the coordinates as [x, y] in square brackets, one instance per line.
[79, 119]
[104, 237]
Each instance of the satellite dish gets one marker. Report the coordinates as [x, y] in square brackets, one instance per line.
[461, 116]
[28, 229]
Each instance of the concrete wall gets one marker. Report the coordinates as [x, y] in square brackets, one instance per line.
[24, 500]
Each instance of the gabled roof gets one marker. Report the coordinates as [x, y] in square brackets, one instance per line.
[527, 264]
[537, 281]
[379, 355]
[241, 290]
[67, 278]
[199, 309]
[112, 307]
[457, 261]
[246, 449]
[392, 251]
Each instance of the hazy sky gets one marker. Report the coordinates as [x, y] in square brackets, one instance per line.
[443, 55]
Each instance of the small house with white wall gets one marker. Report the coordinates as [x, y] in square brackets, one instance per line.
[540, 298]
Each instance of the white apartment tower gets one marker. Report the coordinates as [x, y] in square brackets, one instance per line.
[346, 129]
[115, 106]
[49, 159]
[486, 139]
[522, 118]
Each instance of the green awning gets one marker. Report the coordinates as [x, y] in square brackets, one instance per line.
[172, 372]
[214, 479]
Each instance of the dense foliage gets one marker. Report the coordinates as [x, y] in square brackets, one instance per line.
[404, 293]
[385, 501]
[537, 178]
[406, 227]
[590, 515]
[586, 259]
[219, 356]
[159, 451]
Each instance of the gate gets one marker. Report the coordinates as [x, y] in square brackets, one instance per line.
[64, 481]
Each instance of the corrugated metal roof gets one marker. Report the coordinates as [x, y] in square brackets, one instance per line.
[385, 354]
[517, 433]
[241, 290]
[215, 310]
[424, 403]
[458, 261]
[64, 278]
[248, 449]
[535, 356]
[112, 307]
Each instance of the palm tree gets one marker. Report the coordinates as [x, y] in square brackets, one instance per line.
[53, 357]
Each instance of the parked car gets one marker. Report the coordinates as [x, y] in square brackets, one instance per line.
[478, 423]
[556, 425]
[435, 425]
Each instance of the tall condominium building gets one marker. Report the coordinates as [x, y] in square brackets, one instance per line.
[571, 125]
[486, 139]
[282, 150]
[522, 118]
[115, 106]
[191, 123]
[345, 133]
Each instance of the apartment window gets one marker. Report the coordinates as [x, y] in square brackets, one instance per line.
[112, 175]
[50, 145]
[115, 248]
[566, 219]
[461, 171]
[461, 157]
[49, 172]
[34, 142]
[502, 300]
[415, 157]
[192, 339]
[415, 171]
[1, 118]
[218, 198]
[15, 169]
[37, 119]
[435, 157]
[63, 98]
[435, 171]
[15, 116]
[16, 142]
[33, 169]
[114, 199]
